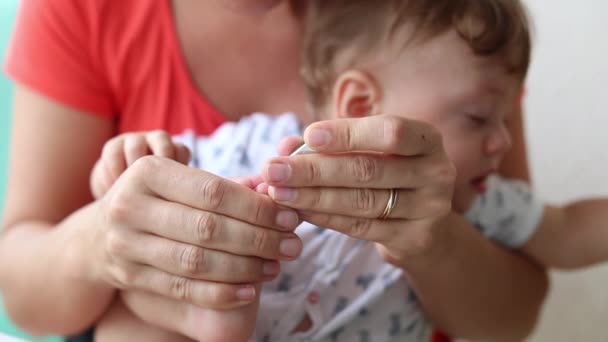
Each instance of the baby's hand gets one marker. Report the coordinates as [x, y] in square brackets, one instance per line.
[122, 151]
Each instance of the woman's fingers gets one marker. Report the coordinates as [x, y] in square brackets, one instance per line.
[209, 230]
[366, 203]
[214, 231]
[379, 133]
[356, 170]
[188, 234]
[206, 294]
[177, 183]
[190, 261]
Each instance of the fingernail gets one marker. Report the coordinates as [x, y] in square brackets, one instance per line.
[246, 292]
[318, 137]
[270, 268]
[290, 247]
[287, 219]
[282, 194]
[279, 172]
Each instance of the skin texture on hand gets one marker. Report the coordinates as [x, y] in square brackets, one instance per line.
[348, 191]
[190, 263]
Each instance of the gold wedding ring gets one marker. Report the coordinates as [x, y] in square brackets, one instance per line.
[390, 205]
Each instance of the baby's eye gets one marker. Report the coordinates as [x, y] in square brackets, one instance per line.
[477, 120]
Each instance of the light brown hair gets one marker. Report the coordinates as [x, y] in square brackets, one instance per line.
[490, 27]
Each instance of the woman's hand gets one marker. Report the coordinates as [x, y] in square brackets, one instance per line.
[189, 235]
[347, 186]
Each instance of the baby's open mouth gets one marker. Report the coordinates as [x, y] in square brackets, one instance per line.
[479, 183]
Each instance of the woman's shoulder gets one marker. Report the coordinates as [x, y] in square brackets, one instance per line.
[77, 51]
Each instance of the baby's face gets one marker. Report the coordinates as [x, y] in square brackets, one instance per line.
[469, 99]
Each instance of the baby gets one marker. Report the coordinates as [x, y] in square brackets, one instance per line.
[458, 65]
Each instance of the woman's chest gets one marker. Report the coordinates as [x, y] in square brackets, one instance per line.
[244, 66]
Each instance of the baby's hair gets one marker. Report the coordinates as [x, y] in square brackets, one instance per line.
[333, 27]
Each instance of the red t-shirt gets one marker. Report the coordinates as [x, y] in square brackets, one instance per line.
[116, 58]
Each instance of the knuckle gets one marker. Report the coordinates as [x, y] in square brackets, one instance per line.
[448, 173]
[191, 260]
[166, 150]
[213, 190]
[364, 169]
[105, 150]
[112, 146]
[364, 200]
[394, 130]
[164, 147]
[179, 288]
[206, 228]
[135, 143]
[349, 139]
[443, 207]
[311, 199]
[259, 241]
[119, 207]
[146, 165]
[441, 171]
[259, 213]
[116, 244]
[361, 227]
[314, 172]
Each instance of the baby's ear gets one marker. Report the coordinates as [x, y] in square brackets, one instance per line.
[355, 94]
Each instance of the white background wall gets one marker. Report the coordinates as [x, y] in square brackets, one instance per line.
[567, 124]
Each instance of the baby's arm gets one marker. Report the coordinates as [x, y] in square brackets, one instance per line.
[122, 151]
[572, 236]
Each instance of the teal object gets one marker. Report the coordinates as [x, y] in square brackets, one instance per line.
[7, 17]
[8, 8]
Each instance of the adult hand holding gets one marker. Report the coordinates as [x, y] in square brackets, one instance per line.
[191, 242]
[385, 179]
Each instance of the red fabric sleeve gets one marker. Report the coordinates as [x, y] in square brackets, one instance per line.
[53, 51]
